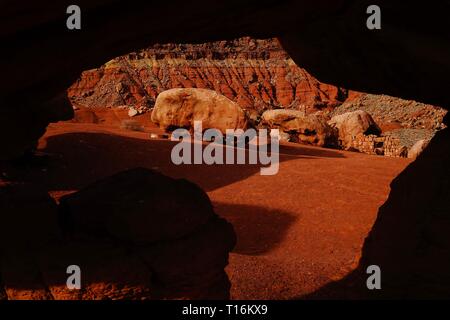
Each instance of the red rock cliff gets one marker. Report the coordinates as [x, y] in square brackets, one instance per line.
[257, 74]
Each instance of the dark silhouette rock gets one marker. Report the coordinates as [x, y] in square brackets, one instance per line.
[28, 217]
[410, 239]
[170, 223]
[140, 206]
[108, 271]
[135, 235]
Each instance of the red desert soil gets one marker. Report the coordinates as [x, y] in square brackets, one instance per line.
[297, 230]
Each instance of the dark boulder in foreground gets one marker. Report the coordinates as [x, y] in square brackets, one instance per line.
[170, 226]
[135, 235]
[140, 206]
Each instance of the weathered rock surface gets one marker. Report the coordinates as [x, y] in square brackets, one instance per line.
[352, 124]
[417, 148]
[393, 113]
[311, 129]
[179, 108]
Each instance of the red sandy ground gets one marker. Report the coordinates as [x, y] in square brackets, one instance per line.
[297, 230]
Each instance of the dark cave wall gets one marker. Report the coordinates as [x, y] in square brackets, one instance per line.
[407, 58]
[410, 239]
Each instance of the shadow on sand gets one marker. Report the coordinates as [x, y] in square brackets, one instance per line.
[74, 160]
[77, 159]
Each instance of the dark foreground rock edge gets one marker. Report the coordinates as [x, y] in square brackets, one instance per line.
[183, 262]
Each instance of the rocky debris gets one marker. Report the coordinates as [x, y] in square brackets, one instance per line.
[358, 131]
[135, 111]
[310, 129]
[410, 239]
[352, 124]
[417, 148]
[376, 145]
[108, 271]
[354, 131]
[179, 108]
[408, 137]
[132, 112]
[256, 74]
[387, 110]
[21, 276]
[393, 148]
[405, 122]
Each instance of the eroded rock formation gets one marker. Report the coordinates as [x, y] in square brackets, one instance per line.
[256, 74]
[310, 129]
[351, 124]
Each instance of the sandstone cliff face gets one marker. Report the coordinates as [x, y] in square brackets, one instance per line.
[257, 74]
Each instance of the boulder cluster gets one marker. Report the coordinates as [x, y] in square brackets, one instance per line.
[296, 126]
[355, 130]
[352, 131]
